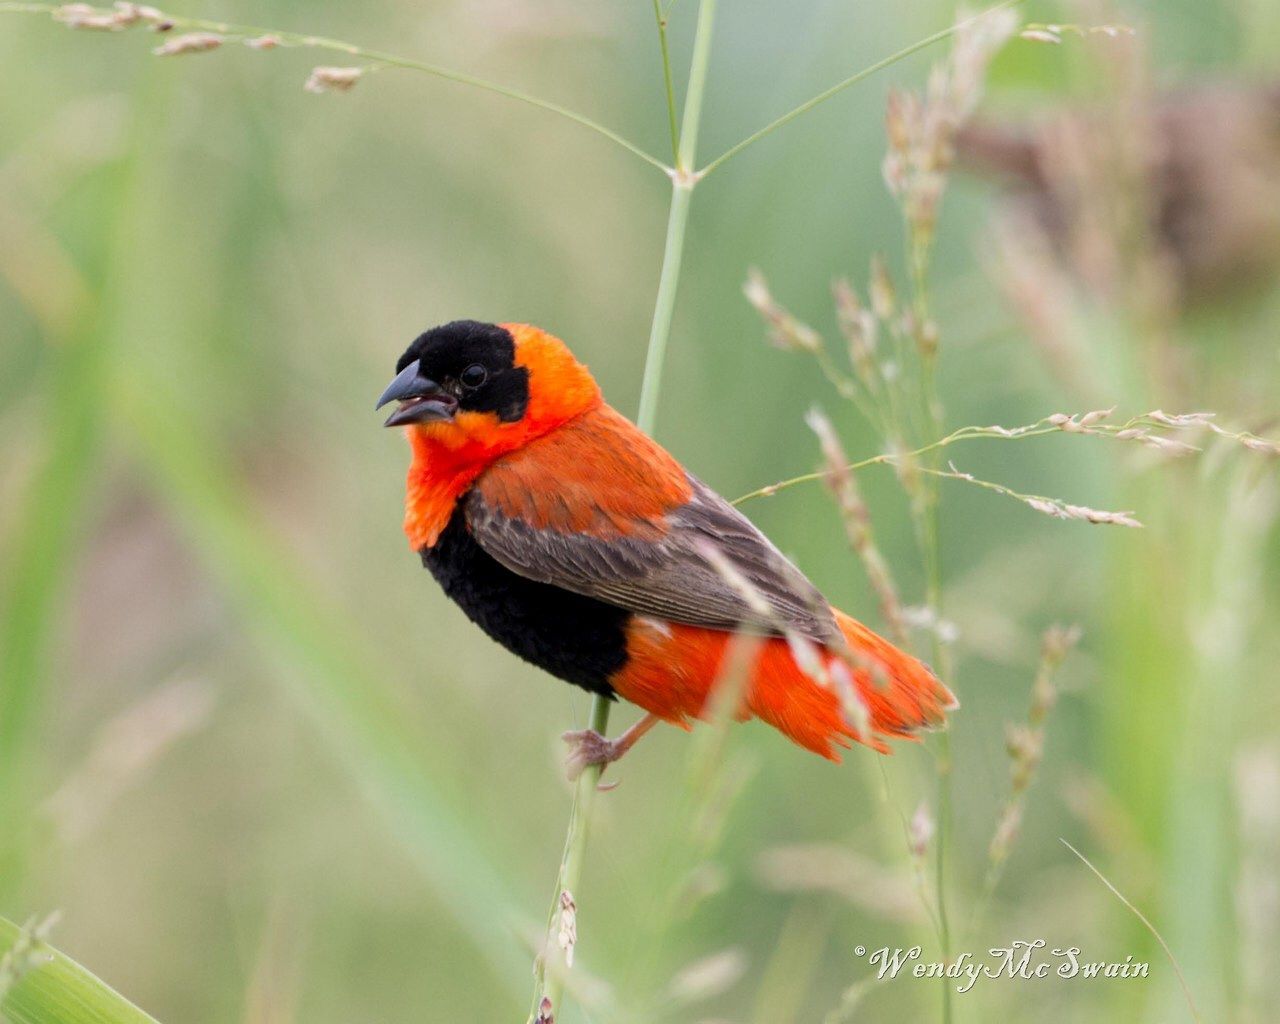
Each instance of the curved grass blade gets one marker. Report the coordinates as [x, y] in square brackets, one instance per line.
[39, 985]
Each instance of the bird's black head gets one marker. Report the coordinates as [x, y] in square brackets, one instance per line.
[461, 366]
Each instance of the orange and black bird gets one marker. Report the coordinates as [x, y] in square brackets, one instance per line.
[580, 544]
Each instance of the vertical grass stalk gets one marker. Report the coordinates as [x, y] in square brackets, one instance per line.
[549, 985]
[942, 661]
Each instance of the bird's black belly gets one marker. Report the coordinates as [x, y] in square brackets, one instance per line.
[576, 638]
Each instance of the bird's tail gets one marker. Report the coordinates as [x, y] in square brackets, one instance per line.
[896, 694]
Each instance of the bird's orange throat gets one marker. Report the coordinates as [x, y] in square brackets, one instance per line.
[438, 477]
[449, 456]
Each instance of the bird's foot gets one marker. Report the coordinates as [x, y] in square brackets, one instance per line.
[587, 747]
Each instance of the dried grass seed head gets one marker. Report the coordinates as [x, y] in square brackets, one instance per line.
[122, 16]
[785, 331]
[860, 329]
[333, 79]
[921, 830]
[921, 128]
[189, 42]
[567, 926]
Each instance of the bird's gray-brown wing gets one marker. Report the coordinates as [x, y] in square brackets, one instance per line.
[579, 526]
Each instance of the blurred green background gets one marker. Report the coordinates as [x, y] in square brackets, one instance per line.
[269, 774]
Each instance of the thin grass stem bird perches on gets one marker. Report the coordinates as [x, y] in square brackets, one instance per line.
[684, 140]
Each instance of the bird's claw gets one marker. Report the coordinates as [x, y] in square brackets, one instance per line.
[586, 748]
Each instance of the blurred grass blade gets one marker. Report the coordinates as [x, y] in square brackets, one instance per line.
[39, 568]
[39, 985]
[46, 539]
[337, 676]
[786, 979]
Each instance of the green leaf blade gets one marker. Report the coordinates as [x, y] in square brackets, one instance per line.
[43, 986]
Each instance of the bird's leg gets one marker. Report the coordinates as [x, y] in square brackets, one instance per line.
[588, 747]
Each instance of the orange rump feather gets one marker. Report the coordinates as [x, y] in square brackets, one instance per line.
[673, 668]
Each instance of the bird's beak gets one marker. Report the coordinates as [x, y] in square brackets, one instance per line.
[421, 400]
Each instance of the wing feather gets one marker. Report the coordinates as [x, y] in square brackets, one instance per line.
[641, 548]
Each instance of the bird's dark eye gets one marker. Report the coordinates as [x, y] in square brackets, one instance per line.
[473, 376]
